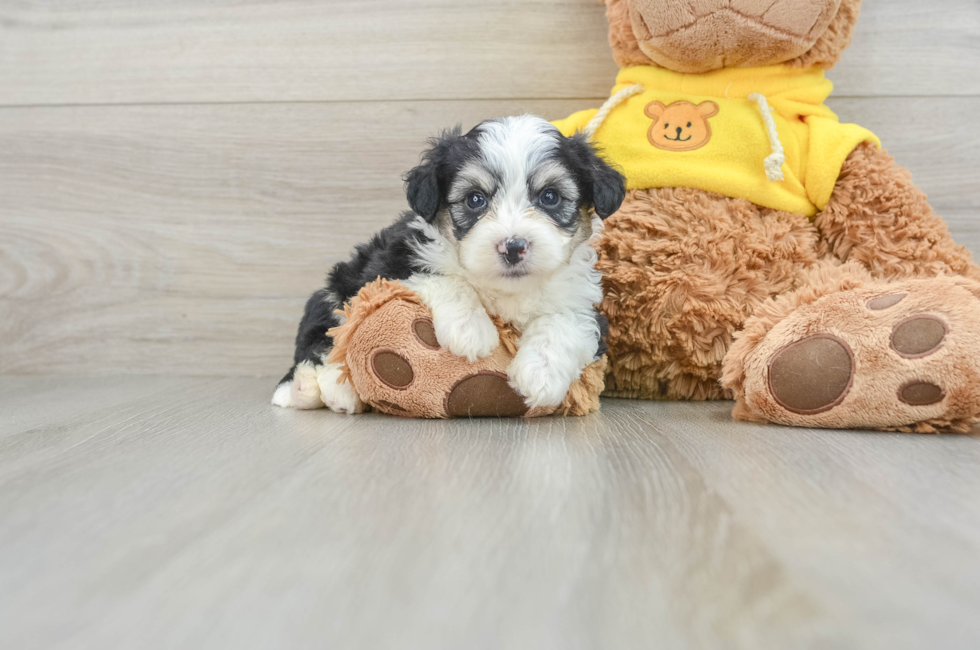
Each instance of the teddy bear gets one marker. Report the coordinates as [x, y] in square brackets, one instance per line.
[765, 252]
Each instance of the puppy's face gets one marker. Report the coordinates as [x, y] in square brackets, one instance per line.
[514, 197]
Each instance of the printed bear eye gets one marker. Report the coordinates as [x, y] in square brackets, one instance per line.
[549, 198]
[688, 125]
[667, 125]
[476, 201]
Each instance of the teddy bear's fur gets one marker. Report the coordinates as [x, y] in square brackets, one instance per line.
[688, 272]
[864, 315]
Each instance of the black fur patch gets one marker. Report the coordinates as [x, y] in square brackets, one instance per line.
[564, 214]
[601, 187]
[426, 186]
[387, 255]
[603, 324]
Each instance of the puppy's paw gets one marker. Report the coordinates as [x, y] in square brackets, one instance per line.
[540, 381]
[302, 392]
[468, 334]
[339, 397]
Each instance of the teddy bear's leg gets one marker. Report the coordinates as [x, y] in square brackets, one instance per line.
[878, 218]
[682, 270]
[847, 351]
[395, 362]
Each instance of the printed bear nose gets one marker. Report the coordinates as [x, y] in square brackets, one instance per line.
[678, 132]
[513, 250]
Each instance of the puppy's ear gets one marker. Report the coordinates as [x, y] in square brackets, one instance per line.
[425, 185]
[608, 190]
[422, 190]
[603, 186]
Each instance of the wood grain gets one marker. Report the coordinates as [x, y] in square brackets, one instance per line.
[202, 517]
[185, 239]
[126, 51]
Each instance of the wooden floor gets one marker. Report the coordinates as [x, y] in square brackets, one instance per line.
[175, 179]
[187, 513]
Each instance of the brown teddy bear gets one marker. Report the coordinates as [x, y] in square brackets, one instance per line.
[765, 251]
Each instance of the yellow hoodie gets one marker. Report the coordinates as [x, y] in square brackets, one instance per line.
[708, 131]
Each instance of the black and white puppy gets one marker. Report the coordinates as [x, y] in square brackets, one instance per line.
[501, 223]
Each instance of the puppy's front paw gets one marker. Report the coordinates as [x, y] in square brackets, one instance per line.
[541, 382]
[467, 334]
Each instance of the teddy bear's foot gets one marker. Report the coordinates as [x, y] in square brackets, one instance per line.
[900, 356]
[390, 353]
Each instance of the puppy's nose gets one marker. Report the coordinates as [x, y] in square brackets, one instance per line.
[513, 250]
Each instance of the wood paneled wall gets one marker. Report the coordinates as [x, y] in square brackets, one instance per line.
[176, 177]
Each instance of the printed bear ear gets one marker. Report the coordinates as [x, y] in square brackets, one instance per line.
[655, 110]
[708, 109]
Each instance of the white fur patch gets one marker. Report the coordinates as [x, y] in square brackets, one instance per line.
[338, 396]
[461, 322]
[282, 395]
[314, 387]
[304, 393]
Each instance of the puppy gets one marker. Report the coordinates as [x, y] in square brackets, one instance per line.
[501, 223]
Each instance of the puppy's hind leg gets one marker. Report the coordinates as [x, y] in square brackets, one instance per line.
[309, 386]
[312, 383]
[299, 389]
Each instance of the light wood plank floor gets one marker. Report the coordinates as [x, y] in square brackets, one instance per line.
[187, 513]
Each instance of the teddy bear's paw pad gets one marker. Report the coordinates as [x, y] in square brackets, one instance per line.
[921, 393]
[425, 332]
[918, 336]
[886, 301]
[812, 375]
[392, 369]
[484, 394]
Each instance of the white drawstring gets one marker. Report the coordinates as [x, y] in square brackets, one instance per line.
[774, 161]
[610, 104]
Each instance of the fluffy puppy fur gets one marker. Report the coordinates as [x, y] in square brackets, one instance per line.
[501, 223]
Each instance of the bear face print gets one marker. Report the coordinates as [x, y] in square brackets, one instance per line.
[682, 126]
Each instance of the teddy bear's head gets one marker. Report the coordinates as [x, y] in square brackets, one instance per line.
[703, 35]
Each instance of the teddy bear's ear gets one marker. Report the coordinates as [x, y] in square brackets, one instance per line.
[655, 110]
[708, 109]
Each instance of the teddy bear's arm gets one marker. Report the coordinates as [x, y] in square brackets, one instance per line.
[877, 217]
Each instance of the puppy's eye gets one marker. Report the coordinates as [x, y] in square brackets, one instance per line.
[549, 198]
[476, 201]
